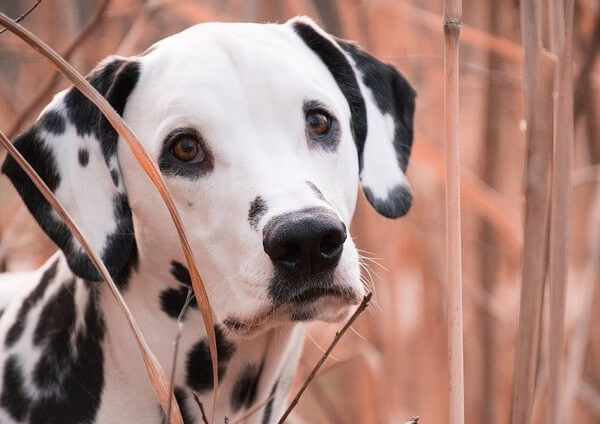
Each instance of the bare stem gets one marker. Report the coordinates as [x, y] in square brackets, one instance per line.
[538, 87]
[452, 25]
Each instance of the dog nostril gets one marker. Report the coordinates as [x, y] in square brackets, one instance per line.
[331, 244]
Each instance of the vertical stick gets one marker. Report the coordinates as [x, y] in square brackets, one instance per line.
[452, 24]
[560, 206]
[538, 70]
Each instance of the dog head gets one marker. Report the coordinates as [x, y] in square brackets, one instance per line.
[262, 133]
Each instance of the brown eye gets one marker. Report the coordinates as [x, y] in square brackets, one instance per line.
[187, 148]
[318, 122]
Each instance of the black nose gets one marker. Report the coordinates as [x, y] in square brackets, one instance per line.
[305, 242]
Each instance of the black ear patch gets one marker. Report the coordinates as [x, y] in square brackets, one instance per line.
[115, 80]
[393, 94]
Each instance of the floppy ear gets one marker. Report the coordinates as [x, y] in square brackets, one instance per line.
[73, 148]
[382, 106]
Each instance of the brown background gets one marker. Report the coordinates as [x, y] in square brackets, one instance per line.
[393, 365]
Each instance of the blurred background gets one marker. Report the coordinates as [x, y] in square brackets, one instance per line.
[393, 365]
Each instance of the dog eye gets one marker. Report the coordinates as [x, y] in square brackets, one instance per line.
[318, 122]
[186, 147]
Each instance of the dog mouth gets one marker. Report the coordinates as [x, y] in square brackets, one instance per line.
[314, 293]
[325, 302]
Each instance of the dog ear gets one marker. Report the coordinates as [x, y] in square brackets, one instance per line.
[382, 106]
[74, 149]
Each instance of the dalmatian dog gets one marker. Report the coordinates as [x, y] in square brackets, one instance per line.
[263, 133]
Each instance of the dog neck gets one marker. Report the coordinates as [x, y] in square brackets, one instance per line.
[251, 369]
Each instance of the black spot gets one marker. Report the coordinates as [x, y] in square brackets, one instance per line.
[53, 122]
[14, 398]
[315, 189]
[181, 398]
[396, 204]
[181, 273]
[71, 392]
[84, 157]
[344, 76]
[15, 331]
[55, 326]
[266, 419]
[114, 174]
[246, 387]
[393, 95]
[199, 365]
[172, 300]
[258, 208]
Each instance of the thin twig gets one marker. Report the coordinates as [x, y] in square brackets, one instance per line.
[151, 170]
[199, 403]
[188, 299]
[363, 305]
[24, 15]
[45, 92]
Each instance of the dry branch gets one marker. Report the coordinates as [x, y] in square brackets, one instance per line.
[200, 406]
[155, 371]
[452, 24]
[538, 87]
[336, 339]
[151, 170]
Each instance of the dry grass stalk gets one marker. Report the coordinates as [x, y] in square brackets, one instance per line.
[155, 371]
[363, 305]
[151, 170]
[538, 86]
[452, 24]
[562, 31]
[45, 92]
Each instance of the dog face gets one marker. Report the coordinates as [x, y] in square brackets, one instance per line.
[261, 133]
